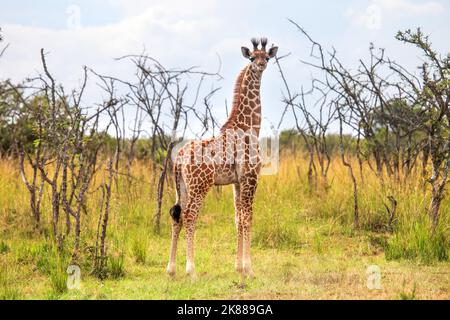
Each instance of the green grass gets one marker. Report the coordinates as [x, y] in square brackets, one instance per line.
[408, 295]
[416, 242]
[139, 250]
[58, 279]
[116, 265]
[275, 234]
[8, 290]
[4, 248]
[304, 244]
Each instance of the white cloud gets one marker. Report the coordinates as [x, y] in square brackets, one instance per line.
[370, 18]
[176, 36]
[377, 11]
[405, 6]
[184, 33]
[173, 8]
[163, 31]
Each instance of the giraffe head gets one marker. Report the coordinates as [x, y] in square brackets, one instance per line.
[259, 57]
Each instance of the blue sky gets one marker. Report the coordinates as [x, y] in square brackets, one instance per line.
[184, 33]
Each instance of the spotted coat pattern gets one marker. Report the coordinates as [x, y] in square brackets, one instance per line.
[230, 158]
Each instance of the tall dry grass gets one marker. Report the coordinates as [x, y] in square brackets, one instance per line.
[284, 202]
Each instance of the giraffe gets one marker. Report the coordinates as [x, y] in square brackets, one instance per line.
[230, 158]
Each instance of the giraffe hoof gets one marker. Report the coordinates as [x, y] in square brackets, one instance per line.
[192, 275]
[170, 270]
[248, 273]
[171, 273]
[190, 271]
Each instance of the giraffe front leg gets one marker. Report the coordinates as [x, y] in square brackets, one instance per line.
[194, 202]
[248, 188]
[240, 245]
[237, 207]
[247, 237]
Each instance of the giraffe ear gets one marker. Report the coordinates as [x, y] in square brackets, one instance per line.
[273, 52]
[245, 52]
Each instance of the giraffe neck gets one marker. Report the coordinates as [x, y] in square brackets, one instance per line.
[246, 111]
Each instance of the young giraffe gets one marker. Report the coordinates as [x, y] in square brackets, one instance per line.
[230, 158]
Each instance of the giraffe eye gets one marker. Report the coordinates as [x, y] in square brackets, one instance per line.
[252, 59]
[267, 59]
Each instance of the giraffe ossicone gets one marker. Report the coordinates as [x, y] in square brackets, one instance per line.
[232, 157]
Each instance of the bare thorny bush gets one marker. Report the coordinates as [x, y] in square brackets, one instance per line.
[313, 128]
[397, 119]
[62, 144]
[170, 99]
[66, 152]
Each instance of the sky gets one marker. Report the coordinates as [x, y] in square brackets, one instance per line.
[183, 33]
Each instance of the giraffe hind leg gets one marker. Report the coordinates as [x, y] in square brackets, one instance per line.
[171, 266]
[189, 218]
[176, 213]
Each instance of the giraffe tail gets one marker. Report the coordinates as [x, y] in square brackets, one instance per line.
[175, 211]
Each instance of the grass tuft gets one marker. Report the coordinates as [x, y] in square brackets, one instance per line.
[405, 295]
[7, 289]
[116, 266]
[418, 243]
[276, 234]
[4, 248]
[58, 280]
[139, 249]
[9, 293]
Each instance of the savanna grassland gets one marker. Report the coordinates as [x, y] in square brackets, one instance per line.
[305, 245]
